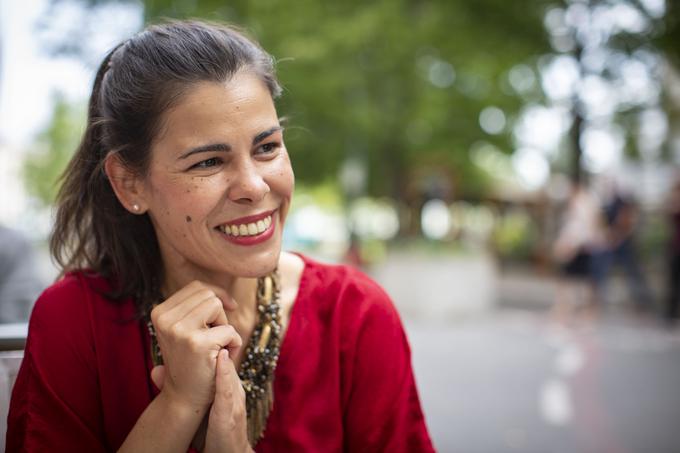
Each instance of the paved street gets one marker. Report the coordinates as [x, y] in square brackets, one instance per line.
[504, 378]
[508, 382]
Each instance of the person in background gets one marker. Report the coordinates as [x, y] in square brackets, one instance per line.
[179, 322]
[621, 215]
[672, 310]
[20, 284]
[353, 256]
[580, 237]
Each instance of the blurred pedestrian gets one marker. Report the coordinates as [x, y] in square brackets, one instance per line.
[20, 284]
[579, 238]
[672, 311]
[353, 256]
[621, 215]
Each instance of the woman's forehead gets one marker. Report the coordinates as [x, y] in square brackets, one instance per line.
[208, 110]
[243, 90]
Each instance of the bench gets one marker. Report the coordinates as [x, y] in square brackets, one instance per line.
[12, 341]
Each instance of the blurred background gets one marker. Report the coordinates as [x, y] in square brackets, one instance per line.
[507, 170]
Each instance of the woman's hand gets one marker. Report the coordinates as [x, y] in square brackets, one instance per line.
[228, 412]
[227, 424]
[192, 328]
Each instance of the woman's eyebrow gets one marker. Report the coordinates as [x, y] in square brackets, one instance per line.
[225, 147]
[262, 135]
[206, 148]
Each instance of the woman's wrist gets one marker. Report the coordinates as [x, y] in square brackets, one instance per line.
[181, 409]
[167, 424]
[247, 449]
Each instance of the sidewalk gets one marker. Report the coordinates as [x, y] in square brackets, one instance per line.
[446, 288]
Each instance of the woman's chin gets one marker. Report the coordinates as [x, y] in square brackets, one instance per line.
[256, 267]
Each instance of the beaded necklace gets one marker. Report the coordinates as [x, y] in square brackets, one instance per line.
[260, 357]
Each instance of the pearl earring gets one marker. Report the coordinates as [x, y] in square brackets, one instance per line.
[135, 207]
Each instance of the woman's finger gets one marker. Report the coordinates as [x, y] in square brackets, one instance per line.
[225, 337]
[193, 290]
[180, 311]
[183, 294]
[209, 312]
[158, 376]
[227, 421]
[228, 301]
[224, 387]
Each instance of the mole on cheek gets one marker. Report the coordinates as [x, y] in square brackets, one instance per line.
[188, 218]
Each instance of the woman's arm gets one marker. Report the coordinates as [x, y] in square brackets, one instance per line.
[383, 412]
[164, 426]
[57, 397]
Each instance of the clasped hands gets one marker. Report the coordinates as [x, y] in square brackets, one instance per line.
[199, 347]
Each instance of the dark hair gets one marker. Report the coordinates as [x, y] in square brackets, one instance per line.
[136, 83]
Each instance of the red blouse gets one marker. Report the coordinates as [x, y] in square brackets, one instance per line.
[343, 382]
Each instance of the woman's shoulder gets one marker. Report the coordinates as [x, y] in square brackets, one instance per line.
[69, 297]
[76, 283]
[336, 277]
[346, 287]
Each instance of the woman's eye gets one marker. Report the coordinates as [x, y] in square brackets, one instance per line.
[208, 163]
[268, 148]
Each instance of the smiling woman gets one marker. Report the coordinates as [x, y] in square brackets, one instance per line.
[219, 160]
[178, 322]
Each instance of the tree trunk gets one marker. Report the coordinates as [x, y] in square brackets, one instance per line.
[576, 170]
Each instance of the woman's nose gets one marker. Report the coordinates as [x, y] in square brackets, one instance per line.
[247, 184]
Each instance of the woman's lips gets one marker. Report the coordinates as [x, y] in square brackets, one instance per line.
[249, 230]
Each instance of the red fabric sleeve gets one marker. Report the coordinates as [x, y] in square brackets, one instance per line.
[55, 401]
[383, 411]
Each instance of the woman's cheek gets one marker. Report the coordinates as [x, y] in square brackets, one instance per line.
[281, 176]
[180, 208]
[283, 186]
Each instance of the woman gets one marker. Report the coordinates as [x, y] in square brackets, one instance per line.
[177, 300]
[580, 239]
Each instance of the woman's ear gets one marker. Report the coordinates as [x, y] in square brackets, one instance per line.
[127, 185]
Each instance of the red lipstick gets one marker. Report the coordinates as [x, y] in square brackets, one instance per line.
[247, 240]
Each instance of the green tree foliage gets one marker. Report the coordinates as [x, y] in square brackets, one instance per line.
[400, 83]
[668, 37]
[46, 162]
[595, 34]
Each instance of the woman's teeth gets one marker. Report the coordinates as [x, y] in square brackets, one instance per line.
[247, 229]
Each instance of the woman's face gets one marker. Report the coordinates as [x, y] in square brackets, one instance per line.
[220, 181]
